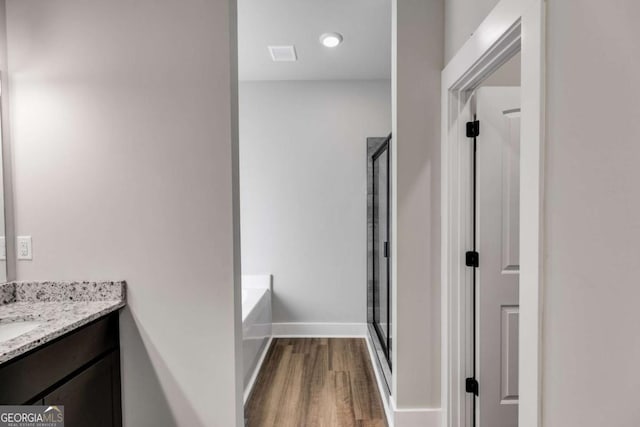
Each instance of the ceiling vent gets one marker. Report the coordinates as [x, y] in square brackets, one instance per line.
[283, 53]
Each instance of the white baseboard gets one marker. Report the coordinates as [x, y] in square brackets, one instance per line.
[417, 417]
[254, 375]
[319, 330]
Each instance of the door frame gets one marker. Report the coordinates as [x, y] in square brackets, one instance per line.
[512, 26]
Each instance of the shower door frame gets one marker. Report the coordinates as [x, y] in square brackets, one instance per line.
[386, 344]
[375, 145]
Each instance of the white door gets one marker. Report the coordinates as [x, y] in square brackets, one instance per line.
[466, 349]
[497, 233]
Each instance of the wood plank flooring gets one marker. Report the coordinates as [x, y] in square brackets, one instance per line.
[316, 382]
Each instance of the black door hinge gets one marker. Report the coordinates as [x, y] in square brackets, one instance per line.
[472, 259]
[386, 250]
[473, 129]
[471, 386]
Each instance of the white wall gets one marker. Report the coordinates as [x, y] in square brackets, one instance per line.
[462, 17]
[591, 345]
[590, 341]
[122, 133]
[303, 192]
[7, 265]
[418, 52]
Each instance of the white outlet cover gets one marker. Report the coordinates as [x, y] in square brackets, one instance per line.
[24, 248]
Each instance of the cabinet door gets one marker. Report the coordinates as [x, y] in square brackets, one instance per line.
[88, 398]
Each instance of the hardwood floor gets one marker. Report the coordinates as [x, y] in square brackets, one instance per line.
[316, 382]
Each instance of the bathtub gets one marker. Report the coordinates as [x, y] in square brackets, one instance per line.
[256, 325]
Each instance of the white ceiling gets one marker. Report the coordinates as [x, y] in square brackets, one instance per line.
[364, 54]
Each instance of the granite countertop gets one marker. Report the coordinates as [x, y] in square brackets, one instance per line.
[58, 307]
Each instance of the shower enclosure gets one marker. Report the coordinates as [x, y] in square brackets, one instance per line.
[378, 245]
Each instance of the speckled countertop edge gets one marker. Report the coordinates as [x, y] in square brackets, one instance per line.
[60, 307]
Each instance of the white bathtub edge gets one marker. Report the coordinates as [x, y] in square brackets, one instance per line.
[256, 332]
[256, 371]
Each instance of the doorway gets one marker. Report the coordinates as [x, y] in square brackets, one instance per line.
[498, 39]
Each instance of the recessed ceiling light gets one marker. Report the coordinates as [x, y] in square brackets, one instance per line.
[331, 39]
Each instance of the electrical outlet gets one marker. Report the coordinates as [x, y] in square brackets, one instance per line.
[25, 250]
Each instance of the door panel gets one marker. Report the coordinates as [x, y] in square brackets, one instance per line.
[511, 192]
[497, 234]
[509, 355]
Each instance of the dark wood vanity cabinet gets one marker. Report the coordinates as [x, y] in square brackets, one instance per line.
[80, 370]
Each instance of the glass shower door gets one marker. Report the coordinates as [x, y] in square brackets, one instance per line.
[381, 288]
